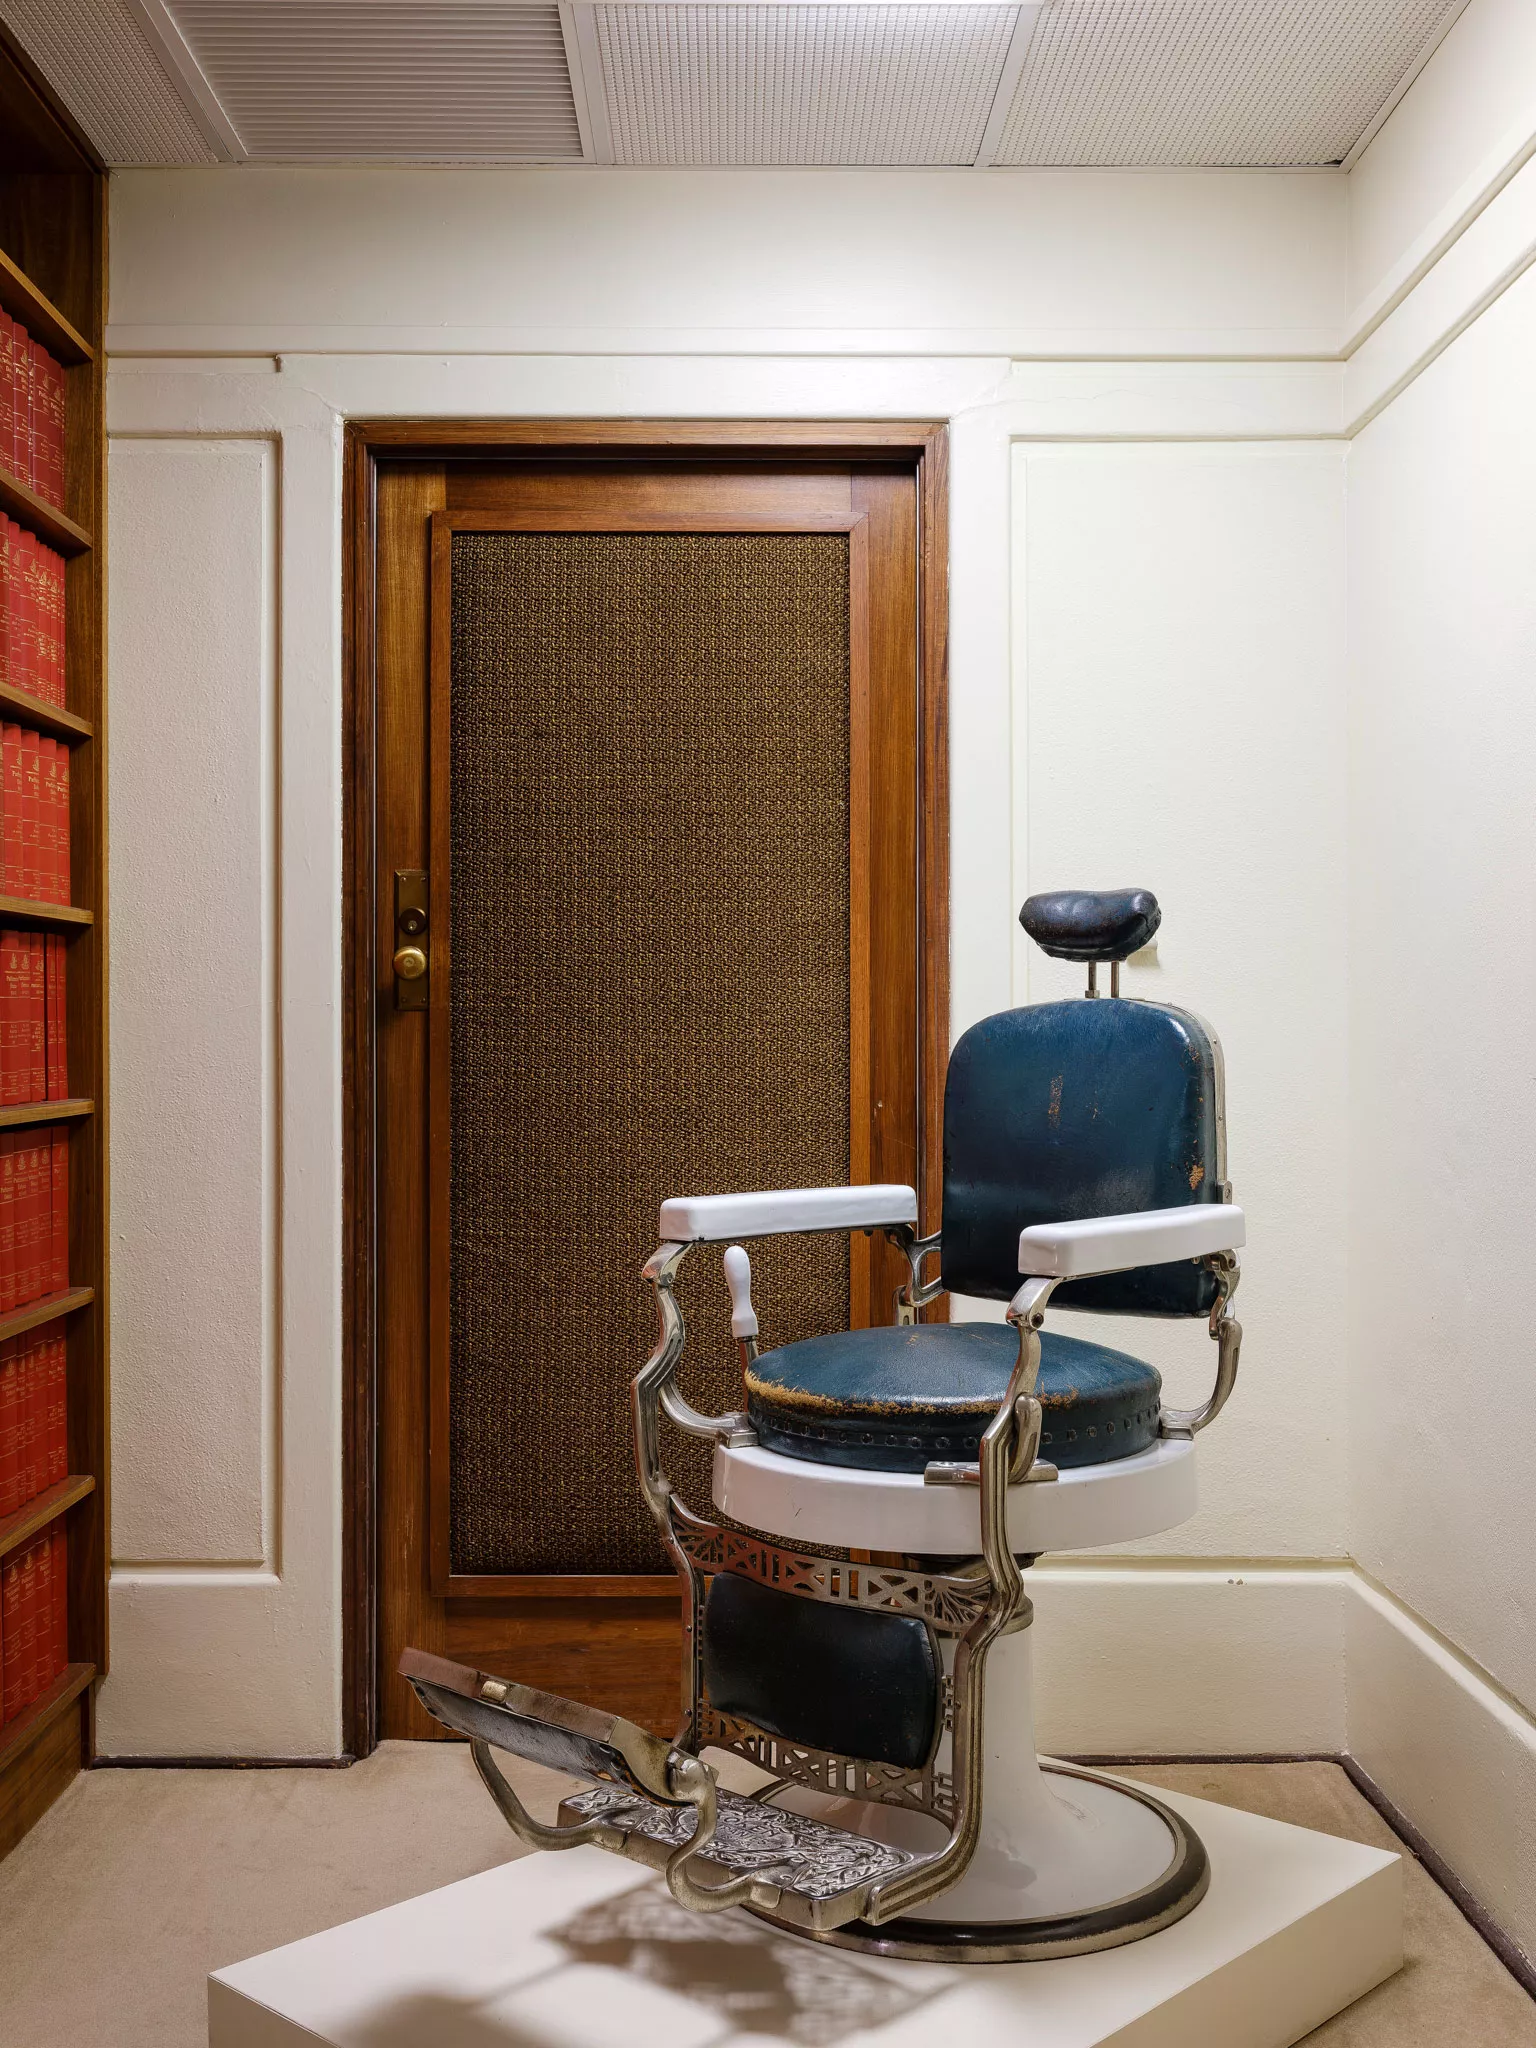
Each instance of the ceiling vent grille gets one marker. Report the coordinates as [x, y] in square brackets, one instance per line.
[354, 80]
[1198, 82]
[99, 62]
[801, 85]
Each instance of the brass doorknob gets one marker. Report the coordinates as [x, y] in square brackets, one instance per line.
[410, 963]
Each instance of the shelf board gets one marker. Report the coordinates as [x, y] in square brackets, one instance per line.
[20, 1528]
[17, 1321]
[44, 1711]
[55, 916]
[45, 520]
[55, 1112]
[40, 316]
[44, 717]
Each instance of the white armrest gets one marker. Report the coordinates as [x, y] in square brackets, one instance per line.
[707, 1219]
[1114, 1244]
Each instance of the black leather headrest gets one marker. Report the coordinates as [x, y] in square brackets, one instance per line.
[1091, 924]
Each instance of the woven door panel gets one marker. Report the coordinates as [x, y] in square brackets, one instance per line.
[649, 995]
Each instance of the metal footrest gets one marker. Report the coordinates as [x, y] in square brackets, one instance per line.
[651, 1800]
[802, 1870]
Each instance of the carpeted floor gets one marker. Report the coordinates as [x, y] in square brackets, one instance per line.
[138, 1883]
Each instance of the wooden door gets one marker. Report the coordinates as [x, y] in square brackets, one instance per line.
[649, 779]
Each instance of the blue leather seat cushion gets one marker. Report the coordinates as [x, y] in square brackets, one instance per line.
[894, 1399]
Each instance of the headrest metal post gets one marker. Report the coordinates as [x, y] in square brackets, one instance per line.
[1114, 977]
[1093, 978]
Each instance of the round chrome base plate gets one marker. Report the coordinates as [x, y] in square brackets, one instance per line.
[1177, 1890]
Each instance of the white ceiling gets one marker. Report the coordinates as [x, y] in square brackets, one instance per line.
[863, 82]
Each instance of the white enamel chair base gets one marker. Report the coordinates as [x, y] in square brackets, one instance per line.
[856, 1510]
[1055, 1846]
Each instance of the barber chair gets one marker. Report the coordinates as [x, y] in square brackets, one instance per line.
[856, 1620]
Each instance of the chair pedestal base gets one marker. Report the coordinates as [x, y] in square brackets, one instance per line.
[1068, 1861]
[1115, 1811]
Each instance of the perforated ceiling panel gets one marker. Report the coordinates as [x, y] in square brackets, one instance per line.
[97, 59]
[800, 85]
[348, 79]
[1211, 81]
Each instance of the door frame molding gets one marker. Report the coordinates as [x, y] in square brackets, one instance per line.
[924, 444]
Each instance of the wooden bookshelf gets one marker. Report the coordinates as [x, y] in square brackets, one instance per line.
[41, 317]
[57, 917]
[17, 1321]
[60, 1110]
[22, 504]
[22, 708]
[18, 1736]
[19, 1529]
[53, 280]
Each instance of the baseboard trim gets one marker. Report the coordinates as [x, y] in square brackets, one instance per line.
[224, 1763]
[1255, 1756]
[1508, 1951]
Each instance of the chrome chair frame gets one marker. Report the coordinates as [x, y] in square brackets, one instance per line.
[973, 1607]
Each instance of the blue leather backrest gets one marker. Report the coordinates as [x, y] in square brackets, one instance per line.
[1078, 1109]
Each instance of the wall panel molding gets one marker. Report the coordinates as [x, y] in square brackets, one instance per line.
[194, 878]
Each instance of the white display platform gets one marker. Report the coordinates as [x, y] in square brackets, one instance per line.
[582, 1950]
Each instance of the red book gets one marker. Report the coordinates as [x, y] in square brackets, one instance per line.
[24, 610]
[16, 1645]
[49, 599]
[38, 1261]
[16, 606]
[52, 412]
[58, 1412]
[13, 958]
[5, 580]
[10, 1428]
[42, 1209]
[37, 1017]
[36, 404]
[66, 883]
[7, 393]
[60, 1657]
[31, 820]
[47, 818]
[21, 402]
[35, 566]
[58, 1206]
[10, 801]
[5, 598]
[8, 1150]
[34, 1405]
[42, 1628]
[58, 1036]
[60, 659]
[22, 1178]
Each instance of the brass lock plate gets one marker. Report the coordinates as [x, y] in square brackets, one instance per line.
[412, 960]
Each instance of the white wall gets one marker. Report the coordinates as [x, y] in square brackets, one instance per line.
[1463, 125]
[808, 262]
[1180, 721]
[1442, 952]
